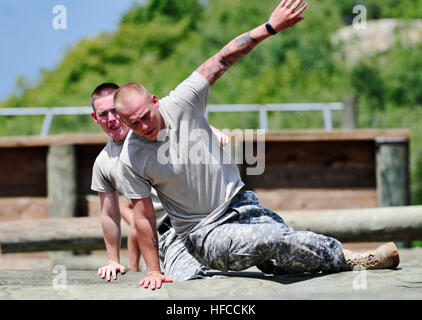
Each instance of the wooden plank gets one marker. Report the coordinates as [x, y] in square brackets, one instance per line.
[359, 225]
[23, 208]
[305, 199]
[281, 177]
[84, 233]
[327, 164]
[273, 135]
[36, 141]
[334, 135]
[346, 225]
[85, 158]
[25, 261]
[27, 208]
[347, 154]
[23, 172]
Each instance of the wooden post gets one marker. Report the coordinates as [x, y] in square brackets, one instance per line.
[61, 187]
[61, 181]
[392, 171]
[392, 174]
[350, 112]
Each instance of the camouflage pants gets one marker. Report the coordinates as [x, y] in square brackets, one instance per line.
[249, 234]
[175, 259]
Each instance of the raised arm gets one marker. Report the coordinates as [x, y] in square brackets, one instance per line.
[284, 16]
[146, 227]
[110, 220]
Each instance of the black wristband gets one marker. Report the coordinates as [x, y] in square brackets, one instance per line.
[269, 28]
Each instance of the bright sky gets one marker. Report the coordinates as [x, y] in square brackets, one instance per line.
[32, 40]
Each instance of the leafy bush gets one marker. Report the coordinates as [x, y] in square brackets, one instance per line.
[161, 42]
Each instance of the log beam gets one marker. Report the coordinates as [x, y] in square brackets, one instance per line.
[346, 225]
[360, 225]
[84, 233]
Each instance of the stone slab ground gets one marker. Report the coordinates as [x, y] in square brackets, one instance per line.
[403, 283]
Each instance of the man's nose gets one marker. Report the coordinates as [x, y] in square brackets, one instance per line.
[111, 116]
[145, 126]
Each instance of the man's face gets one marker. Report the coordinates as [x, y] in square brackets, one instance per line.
[142, 116]
[108, 119]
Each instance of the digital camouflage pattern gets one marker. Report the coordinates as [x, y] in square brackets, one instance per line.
[175, 259]
[247, 235]
[251, 235]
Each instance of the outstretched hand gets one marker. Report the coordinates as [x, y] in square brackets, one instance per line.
[287, 14]
[111, 270]
[154, 279]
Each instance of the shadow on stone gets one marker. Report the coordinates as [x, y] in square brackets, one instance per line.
[285, 279]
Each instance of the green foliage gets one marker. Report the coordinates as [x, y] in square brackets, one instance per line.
[363, 74]
[380, 9]
[169, 10]
[161, 42]
[404, 75]
[168, 39]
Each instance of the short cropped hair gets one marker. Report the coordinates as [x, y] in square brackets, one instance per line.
[126, 89]
[103, 90]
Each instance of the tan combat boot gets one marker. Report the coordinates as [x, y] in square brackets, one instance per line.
[385, 256]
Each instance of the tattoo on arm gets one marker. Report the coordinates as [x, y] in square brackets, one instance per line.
[214, 67]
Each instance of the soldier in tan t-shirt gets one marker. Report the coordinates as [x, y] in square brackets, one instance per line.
[107, 181]
[222, 226]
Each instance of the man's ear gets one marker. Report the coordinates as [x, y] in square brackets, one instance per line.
[155, 101]
[94, 116]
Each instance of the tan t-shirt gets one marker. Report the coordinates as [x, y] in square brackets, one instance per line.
[107, 178]
[194, 177]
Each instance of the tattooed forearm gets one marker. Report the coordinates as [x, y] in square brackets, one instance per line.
[214, 67]
[236, 49]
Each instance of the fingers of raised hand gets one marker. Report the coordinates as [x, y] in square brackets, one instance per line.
[288, 3]
[282, 4]
[300, 10]
[288, 6]
[286, 16]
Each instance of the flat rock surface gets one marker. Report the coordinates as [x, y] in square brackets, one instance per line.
[60, 284]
